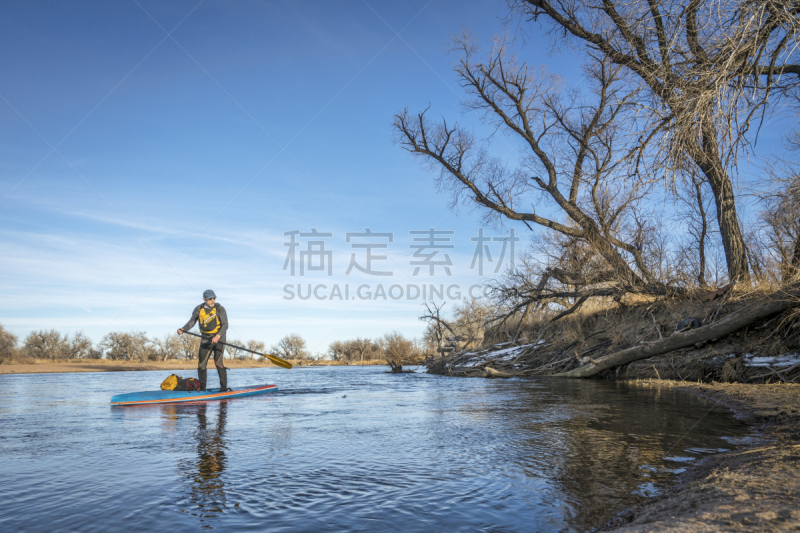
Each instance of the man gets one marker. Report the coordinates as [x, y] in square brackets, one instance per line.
[213, 326]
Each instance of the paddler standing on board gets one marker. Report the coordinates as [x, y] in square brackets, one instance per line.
[213, 326]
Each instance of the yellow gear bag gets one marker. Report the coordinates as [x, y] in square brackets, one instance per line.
[209, 321]
[171, 383]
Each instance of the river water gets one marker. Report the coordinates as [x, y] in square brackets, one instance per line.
[344, 449]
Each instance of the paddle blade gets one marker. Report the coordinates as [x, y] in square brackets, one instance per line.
[278, 361]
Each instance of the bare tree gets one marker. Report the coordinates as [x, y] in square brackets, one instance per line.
[793, 137]
[439, 329]
[46, 344]
[579, 154]
[357, 349]
[292, 346]
[464, 329]
[694, 206]
[338, 351]
[470, 320]
[398, 351]
[8, 344]
[169, 347]
[236, 353]
[256, 346]
[80, 347]
[362, 348]
[781, 218]
[706, 69]
[189, 346]
[133, 346]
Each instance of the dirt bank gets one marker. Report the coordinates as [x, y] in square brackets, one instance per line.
[727, 339]
[103, 365]
[755, 488]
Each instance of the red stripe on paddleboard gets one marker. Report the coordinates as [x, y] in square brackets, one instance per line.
[195, 398]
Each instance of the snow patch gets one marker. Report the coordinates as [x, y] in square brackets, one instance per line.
[474, 359]
[788, 359]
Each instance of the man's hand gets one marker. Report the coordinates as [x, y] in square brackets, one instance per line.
[215, 340]
[180, 332]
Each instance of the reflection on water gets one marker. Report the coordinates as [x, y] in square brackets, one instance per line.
[617, 449]
[203, 473]
[344, 449]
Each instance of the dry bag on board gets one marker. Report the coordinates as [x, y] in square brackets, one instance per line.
[174, 382]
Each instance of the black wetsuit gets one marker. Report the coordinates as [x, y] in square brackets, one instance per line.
[207, 348]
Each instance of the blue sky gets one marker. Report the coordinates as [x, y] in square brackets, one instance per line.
[152, 150]
[140, 168]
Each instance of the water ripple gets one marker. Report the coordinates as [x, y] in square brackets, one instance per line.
[344, 449]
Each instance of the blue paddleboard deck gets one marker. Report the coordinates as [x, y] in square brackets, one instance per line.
[170, 396]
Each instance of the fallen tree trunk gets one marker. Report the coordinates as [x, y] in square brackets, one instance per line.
[490, 372]
[776, 302]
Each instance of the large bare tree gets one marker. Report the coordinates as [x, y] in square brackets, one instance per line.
[576, 166]
[708, 69]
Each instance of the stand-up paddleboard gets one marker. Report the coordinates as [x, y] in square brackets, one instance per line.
[171, 396]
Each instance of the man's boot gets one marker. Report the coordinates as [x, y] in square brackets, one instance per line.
[223, 379]
[202, 375]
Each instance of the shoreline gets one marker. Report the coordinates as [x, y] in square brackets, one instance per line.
[104, 365]
[754, 487]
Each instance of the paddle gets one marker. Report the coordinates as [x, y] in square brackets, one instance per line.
[277, 360]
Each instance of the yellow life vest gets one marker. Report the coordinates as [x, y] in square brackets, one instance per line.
[209, 321]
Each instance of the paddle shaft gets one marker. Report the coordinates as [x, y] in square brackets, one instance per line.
[277, 360]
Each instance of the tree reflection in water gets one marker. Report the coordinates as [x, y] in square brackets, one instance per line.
[205, 473]
[608, 446]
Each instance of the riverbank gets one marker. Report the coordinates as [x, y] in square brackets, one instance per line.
[755, 488]
[729, 335]
[104, 365]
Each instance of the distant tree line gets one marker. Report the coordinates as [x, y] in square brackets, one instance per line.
[393, 348]
[130, 346]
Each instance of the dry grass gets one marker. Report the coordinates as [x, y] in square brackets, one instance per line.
[14, 357]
